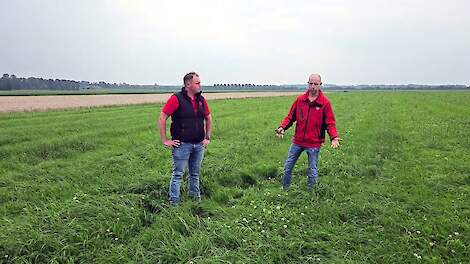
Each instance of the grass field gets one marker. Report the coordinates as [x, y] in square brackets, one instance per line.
[90, 186]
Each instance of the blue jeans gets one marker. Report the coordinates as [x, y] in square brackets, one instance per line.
[186, 155]
[294, 153]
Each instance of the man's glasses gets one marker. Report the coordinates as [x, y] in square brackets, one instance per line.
[314, 83]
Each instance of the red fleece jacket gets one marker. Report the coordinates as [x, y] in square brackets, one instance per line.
[312, 120]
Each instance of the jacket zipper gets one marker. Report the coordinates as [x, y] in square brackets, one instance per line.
[306, 124]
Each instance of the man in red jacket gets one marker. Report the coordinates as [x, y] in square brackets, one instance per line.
[313, 114]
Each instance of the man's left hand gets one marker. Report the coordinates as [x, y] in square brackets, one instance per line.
[335, 143]
[205, 143]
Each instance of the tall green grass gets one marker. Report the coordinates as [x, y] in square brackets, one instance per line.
[90, 186]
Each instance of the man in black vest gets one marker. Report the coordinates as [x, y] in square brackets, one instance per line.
[191, 126]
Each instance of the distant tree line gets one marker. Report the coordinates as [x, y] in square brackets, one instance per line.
[392, 87]
[248, 87]
[385, 87]
[240, 85]
[11, 82]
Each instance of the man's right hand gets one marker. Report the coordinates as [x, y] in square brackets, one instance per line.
[280, 132]
[171, 143]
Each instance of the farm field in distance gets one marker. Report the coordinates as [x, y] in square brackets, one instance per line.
[52, 102]
[90, 185]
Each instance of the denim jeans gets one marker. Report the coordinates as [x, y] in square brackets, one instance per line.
[186, 155]
[294, 153]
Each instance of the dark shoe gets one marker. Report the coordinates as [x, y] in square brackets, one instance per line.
[196, 198]
[312, 186]
[174, 203]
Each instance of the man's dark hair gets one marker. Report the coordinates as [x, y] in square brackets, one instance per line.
[188, 77]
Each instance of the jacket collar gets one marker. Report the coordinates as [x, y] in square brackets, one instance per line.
[185, 93]
[320, 98]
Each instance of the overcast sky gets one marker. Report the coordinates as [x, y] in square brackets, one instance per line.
[252, 41]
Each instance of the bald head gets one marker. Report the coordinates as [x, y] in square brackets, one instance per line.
[314, 77]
